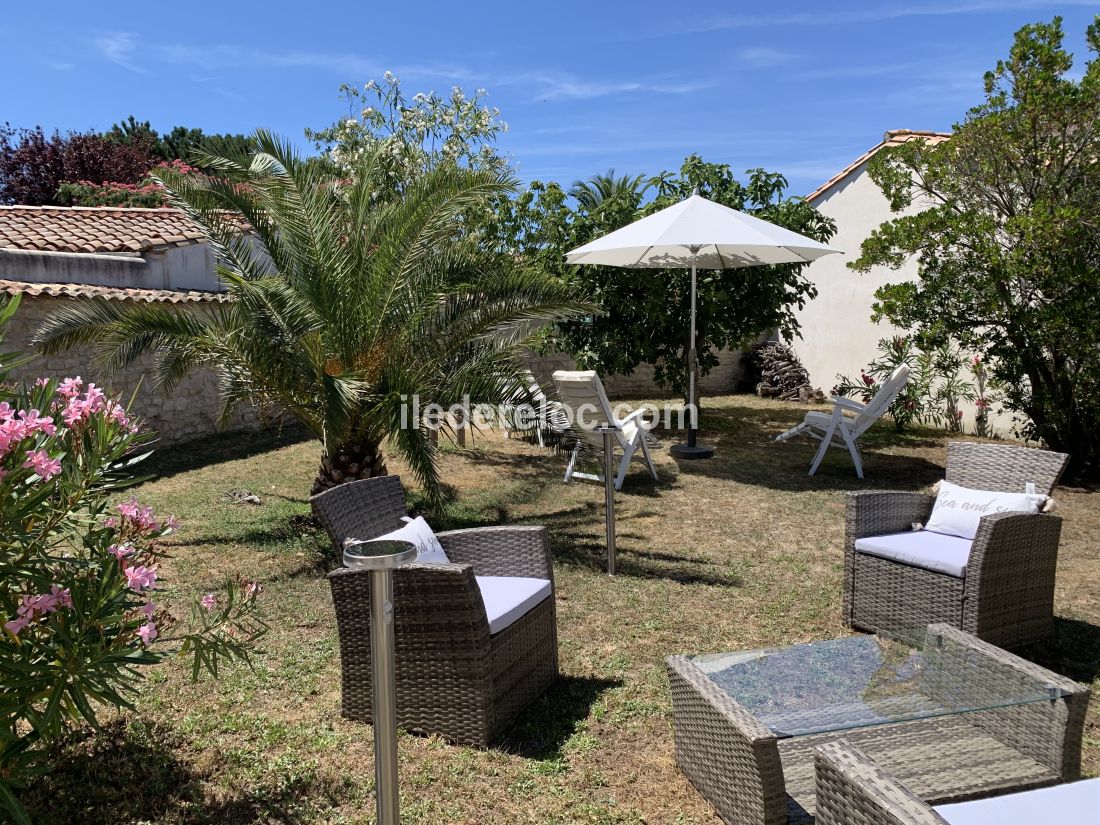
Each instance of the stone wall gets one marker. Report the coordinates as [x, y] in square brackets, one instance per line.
[722, 380]
[190, 411]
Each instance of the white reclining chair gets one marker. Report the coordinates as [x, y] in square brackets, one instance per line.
[582, 393]
[840, 430]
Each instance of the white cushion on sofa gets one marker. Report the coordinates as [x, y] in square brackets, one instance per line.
[921, 548]
[1059, 804]
[958, 510]
[417, 531]
[507, 598]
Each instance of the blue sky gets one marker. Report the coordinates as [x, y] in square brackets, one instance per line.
[798, 87]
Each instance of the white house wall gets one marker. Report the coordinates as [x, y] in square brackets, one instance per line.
[838, 336]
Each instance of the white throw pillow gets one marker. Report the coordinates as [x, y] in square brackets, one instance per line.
[417, 531]
[958, 510]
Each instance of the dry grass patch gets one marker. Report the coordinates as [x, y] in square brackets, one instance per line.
[738, 552]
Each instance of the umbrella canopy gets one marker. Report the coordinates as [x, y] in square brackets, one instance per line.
[719, 237]
[698, 233]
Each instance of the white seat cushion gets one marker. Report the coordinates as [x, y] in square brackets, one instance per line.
[921, 548]
[1060, 804]
[507, 598]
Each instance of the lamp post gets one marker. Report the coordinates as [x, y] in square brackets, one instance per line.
[380, 558]
[608, 433]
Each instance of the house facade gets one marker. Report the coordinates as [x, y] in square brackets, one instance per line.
[838, 335]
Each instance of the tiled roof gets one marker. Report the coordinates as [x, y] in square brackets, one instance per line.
[94, 229]
[892, 138]
[171, 296]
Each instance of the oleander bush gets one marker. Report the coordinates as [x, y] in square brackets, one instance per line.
[79, 573]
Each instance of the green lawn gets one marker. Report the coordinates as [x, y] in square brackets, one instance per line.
[738, 552]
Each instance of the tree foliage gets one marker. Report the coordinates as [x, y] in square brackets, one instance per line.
[346, 302]
[181, 143]
[1007, 239]
[409, 137]
[646, 312]
[590, 193]
[33, 164]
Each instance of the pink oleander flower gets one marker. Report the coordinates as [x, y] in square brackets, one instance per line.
[149, 609]
[16, 626]
[252, 588]
[209, 601]
[120, 551]
[171, 523]
[70, 387]
[42, 464]
[34, 422]
[141, 578]
[147, 632]
[109, 521]
[62, 597]
[95, 398]
[41, 381]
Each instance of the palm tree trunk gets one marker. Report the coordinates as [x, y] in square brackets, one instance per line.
[350, 462]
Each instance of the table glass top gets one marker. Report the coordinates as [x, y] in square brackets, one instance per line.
[862, 681]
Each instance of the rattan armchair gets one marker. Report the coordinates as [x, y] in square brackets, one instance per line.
[454, 678]
[1006, 595]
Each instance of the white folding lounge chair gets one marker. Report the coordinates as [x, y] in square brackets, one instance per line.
[582, 393]
[839, 430]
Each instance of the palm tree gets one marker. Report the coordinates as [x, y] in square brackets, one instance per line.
[599, 188]
[346, 301]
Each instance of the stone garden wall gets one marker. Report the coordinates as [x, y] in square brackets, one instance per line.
[189, 412]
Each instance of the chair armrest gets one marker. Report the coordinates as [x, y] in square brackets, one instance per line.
[876, 513]
[501, 551]
[853, 788]
[879, 512]
[841, 402]
[1014, 543]
[636, 414]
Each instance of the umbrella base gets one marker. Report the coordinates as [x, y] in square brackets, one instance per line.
[691, 452]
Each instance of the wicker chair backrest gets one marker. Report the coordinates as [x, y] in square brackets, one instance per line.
[363, 509]
[1003, 468]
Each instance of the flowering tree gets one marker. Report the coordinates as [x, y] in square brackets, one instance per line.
[78, 576]
[149, 193]
[409, 137]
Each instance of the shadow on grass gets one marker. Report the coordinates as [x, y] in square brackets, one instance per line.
[543, 729]
[220, 447]
[746, 452]
[1075, 652]
[129, 773]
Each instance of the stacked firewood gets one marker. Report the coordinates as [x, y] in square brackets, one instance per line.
[777, 373]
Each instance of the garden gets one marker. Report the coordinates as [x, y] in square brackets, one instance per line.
[170, 651]
[738, 553]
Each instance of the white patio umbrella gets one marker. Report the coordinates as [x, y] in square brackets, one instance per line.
[698, 233]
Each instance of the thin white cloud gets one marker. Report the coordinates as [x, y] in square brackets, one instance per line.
[58, 65]
[549, 85]
[119, 48]
[854, 16]
[763, 57]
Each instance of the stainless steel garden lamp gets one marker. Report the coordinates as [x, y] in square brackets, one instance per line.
[380, 558]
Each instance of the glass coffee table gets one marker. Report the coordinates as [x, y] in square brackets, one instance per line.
[952, 717]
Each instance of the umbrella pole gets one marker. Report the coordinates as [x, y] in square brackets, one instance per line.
[692, 450]
[693, 410]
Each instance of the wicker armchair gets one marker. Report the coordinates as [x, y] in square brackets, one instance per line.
[454, 678]
[1006, 595]
[853, 788]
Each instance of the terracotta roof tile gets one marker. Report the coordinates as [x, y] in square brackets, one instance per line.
[171, 296]
[891, 138]
[95, 229]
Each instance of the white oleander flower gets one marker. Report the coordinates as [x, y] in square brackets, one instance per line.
[388, 77]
